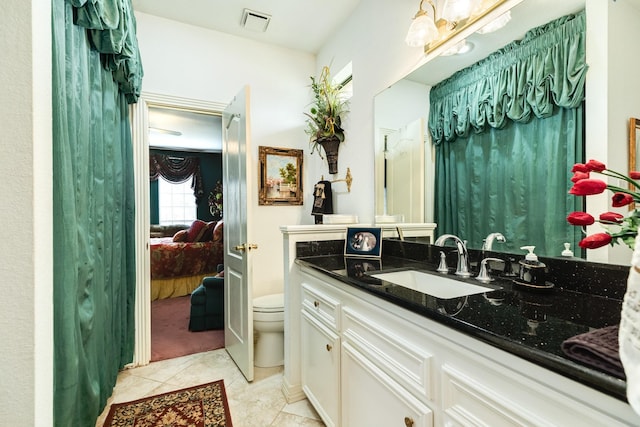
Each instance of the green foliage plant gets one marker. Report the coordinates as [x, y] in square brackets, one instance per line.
[324, 116]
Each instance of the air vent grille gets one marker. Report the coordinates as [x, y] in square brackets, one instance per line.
[255, 21]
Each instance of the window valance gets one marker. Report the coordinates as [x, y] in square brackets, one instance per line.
[177, 169]
[111, 28]
[547, 68]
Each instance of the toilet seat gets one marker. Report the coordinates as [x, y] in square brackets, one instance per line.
[269, 303]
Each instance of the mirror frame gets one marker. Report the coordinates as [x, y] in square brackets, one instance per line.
[634, 125]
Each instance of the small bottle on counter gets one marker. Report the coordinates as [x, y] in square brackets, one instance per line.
[567, 250]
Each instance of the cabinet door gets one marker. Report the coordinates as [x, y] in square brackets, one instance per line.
[320, 355]
[372, 398]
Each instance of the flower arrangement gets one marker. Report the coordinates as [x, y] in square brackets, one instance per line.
[329, 104]
[618, 227]
[215, 201]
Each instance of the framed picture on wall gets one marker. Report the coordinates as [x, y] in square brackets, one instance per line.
[363, 241]
[280, 176]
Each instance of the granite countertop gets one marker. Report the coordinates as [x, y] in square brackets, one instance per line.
[527, 323]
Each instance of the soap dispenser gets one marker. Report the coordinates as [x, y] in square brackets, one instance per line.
[532, 271]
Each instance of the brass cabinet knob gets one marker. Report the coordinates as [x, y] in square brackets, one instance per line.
[408, 421]
[329, 347]
[316, 304]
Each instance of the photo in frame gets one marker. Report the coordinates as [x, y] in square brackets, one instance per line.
[363, 242]
[280, 176]
[358, 267]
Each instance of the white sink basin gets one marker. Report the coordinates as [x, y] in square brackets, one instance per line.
[431, 284]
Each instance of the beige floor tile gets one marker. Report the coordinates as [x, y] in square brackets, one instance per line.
[302, 408]
[256, 404]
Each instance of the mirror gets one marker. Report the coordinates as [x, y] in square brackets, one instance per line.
[405, 105]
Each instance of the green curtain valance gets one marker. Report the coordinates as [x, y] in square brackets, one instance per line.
[547, 68]
[111, 28]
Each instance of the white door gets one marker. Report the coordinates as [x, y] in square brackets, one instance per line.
[238, 247]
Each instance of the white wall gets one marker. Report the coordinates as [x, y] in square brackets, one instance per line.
[373, 40]
[191, 62]
[612, 97]
[26, 314]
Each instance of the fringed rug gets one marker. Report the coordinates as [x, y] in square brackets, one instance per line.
[200, 406]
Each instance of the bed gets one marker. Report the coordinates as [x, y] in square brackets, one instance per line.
[178, 267]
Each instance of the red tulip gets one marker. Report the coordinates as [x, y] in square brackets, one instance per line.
[621, 199]
[595, 241]
[634, 175]
[611, 217]
[586, 187]
[579, 175]
[580, 218]
[580, 167]
[595, 166]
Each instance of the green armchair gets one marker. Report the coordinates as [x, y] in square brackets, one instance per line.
[207, 305]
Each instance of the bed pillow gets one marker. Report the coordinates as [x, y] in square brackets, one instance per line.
[194, 233]
[217, 232]
[181, 236]
[207, 235]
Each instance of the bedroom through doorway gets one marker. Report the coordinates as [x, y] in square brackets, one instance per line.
[185, 224]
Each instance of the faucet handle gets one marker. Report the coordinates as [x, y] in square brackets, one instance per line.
[484, 275]
[442, 267]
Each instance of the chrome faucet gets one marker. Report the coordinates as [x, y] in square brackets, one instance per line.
[462, 268]
[487, 244]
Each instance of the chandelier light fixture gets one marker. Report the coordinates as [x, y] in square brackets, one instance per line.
[434, 25]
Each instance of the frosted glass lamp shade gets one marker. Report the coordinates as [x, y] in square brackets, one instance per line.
[458, 10]
[422, 31]
[496, 24]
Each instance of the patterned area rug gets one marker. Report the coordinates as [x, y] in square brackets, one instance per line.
[200, 406]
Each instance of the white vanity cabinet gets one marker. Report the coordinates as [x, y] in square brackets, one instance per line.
[397, 368]
[320, 352]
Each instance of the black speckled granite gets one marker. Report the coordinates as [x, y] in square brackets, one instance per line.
[529, 324]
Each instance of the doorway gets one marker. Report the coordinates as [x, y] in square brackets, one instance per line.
[143, 118]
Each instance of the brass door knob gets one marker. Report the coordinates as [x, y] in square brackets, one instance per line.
[329, 347]
[316, 304]
[246, 247]
[408, 421]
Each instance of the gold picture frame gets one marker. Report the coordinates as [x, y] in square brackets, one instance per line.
[280, 176]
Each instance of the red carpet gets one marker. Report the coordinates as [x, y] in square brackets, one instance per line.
[170, 335]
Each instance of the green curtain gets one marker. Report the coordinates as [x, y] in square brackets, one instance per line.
[507, 131]
[512, 180]
[93, 207]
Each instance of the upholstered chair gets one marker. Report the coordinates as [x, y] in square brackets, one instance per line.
[207, 304]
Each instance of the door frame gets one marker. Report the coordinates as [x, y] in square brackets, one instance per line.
[139, 116]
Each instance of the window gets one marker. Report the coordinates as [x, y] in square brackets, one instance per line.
[344, 78]
[176, 202]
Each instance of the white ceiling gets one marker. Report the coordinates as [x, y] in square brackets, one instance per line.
[181, 130]
[293, 23]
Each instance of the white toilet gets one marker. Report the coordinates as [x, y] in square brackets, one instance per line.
[268, 326]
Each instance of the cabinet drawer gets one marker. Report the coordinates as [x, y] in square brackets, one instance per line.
[471, 397]
[372, 398]
[324, 307]
[395, 354]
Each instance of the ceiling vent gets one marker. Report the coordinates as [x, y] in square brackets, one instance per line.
[255, 21]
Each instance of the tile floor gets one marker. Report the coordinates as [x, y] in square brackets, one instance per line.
[256, 404]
